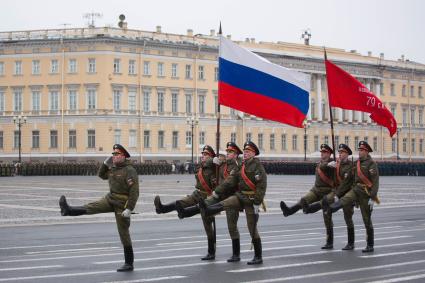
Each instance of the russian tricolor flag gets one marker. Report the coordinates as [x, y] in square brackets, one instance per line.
[252, 84]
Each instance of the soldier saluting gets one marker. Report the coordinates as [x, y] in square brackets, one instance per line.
[252, 189]
[205, 184]
[122, 198]
[364, 193]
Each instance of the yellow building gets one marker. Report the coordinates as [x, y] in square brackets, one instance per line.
[82, 90]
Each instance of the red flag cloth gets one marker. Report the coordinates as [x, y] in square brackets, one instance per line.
[348, 93]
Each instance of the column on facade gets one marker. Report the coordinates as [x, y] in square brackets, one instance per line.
[339, 111]
[368, 118]
[378, 89]
[350, 116]
[319, 98]
[309, 108]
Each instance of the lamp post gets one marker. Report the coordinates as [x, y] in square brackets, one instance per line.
[306, 125]
[19, 120]
[192, 121]
[398, 143]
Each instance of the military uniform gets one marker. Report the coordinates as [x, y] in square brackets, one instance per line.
[252, 185]
[364, 193]
[121, 199]
[205, 176]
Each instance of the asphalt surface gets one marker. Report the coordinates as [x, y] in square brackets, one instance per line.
[38, 245]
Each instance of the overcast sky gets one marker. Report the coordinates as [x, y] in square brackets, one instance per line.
[394, 27]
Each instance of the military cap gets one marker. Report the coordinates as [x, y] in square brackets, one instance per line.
[325, 147]
[364, 145]
[346, 148]
[231, 146]
[122, 149]
[208, 149]
[249, 145]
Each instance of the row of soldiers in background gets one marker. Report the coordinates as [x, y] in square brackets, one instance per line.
[342, 184]
[241, 187]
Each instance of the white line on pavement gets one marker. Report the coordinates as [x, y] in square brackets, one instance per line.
[31, 267]
[394, 253]
[400, 279]
[141, 280]
[72, 250]
[149, 259]
[279, 266]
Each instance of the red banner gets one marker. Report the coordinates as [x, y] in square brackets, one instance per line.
[348, 93]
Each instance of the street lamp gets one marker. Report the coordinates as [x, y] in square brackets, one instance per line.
[192, 121]
[306, 125]
[398, 134]
[19, 120]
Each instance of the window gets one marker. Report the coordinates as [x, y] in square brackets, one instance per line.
[201, 100]
[375, 143]
[117, 100]
[91, 138]
[35, 139]
[404, 117]
[421, 144]
[117, 136]
[1, 139]
[381, 89]
[174, 102]
[54, 100]
[53, 139]
[72, 137]
[188, 103]
[72, 100]
[188, 138]
[35, 67]
[175, 139]
[347, 140]
[146, 68]
[393, 145]
[326, 140]
[233, 137]
[248, 137]
[72, 66]
[323, 110]
[412, 91]
[412, 116]
[160, 101]
[132, 100]
[146, 101]
[1, 100]
[404, 145]
[131, 67]
[413, 145]
[201, 138]
[1, 68]
[174, 70]
[336, 141]
[132, 138]
[272, 142]
[92, 65]
[216, 74]
[421, 117]
[313, 109]
[215, 104]
[316, 143]
[403, 90]
[188, 72]
[419, 90]
[15, 139]
[392, 90]
[18, 68]
[201, 72]
[161, 139]
[17, 100]
[146, 139]
[91, 99]
[54, 66]
[161, 69]
[36, 100]
[366, 139]
[356, 141]
[260, 141]
[283, 142]
[393, 110]
[294, 142]
[117, 66]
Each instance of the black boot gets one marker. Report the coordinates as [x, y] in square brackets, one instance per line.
[258, 252]
[329, 239]
[287, 211]
[370, 241]
[163, 208]
[211, 209]
[211, 250]
[129, 259]
[67, 210]
[185, 212]
[350, 244]
[236, 246]
[329, 209]
[312, 208]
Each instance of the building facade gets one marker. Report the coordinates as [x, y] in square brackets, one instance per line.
[82, 90]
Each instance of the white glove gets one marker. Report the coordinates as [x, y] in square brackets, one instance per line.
[216, 160]
[256, 209]
[332, 164]
[126, 213]
[370, 203]
[336, 198]
[214, 195]
[108, 161]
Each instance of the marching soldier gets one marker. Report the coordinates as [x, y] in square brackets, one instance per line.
[364, 193]
[344, 178]
[252, 189]
[228, 185]
[322, 187]
[122, 198]
[205, 184]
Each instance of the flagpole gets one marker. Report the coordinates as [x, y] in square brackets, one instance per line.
[330, 110]
[218, 105]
